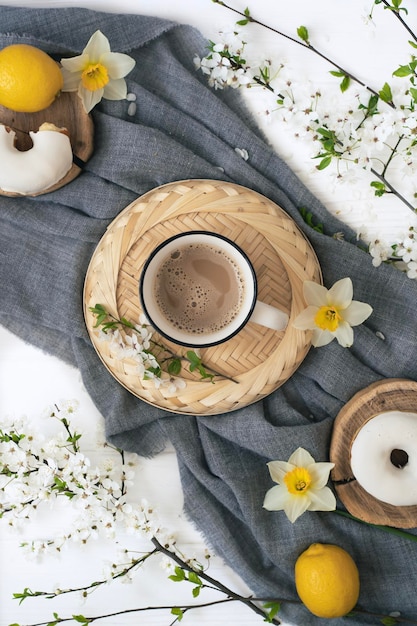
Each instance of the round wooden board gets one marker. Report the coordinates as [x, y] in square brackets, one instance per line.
[382, 396]
[67, 111]
[258, 359]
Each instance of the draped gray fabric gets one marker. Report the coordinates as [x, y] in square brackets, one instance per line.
[182, 129]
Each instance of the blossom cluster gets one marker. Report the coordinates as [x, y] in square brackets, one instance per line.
[362, 134]
[137, 346]
[357, 130]
[36, 471]
[402, 253]
[125, 346]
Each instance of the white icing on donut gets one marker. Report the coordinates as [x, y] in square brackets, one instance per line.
[36, 169]
[371, 457]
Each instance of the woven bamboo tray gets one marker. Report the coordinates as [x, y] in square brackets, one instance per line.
[258, 359]
[386, 395]
[66, 111]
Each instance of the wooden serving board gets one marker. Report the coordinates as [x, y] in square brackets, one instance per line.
[386, 395]
[67, 111]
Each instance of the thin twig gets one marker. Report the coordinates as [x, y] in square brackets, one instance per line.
[397, 14]
[218, 585]
[301, 43]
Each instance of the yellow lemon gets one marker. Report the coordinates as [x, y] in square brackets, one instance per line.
[327, 580]
[30, 79]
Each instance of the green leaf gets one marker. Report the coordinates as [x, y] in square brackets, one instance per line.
[193, 357]
[413, 93]
[345, 83]
[179, 574]
[156, 371]
[174, 367]
[273, 607]
[196, 592]
[386, 94]
[412, 44]
[178, 612]
[302, 32]
[98, 309]
[379, 187]
[403, 70]
[308, 218]
[336, 73]
[324, 163]
[26, 593]
[81, 619]
[247, 20]
[193, 577]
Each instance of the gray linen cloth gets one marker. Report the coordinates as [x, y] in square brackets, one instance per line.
[182, 129]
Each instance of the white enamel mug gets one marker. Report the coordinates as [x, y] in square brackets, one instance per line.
[167, 322]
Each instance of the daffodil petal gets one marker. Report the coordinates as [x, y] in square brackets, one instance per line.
[276, 498]
[278, 469]
[71, 80]
[115, 89]
[344, 334]
[322, 500]
[301, 458]
[296, 506]
[117, 64]
[97, 45]
[75, 64]
[319, 472]
[321, 338]
[90, 98]
[305, 319]
[357, 312]
[314, 293]
[341, 294]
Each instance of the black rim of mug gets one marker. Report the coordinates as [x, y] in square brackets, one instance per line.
[159, 330]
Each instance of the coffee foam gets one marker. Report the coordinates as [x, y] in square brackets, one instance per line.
[199, 288]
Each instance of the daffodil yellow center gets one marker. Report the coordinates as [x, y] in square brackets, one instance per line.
[94, 76]
[328, 318]
[298, 481]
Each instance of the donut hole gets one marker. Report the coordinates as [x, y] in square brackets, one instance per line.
[399, 458]
[23, 141]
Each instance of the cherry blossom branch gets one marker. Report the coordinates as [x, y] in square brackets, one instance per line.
[396, 10]
[303, 42]
[214, 583]
[326, 136]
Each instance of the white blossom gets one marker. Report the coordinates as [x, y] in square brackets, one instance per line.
[379, 252]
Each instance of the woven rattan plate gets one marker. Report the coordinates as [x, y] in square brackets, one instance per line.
[258, 359]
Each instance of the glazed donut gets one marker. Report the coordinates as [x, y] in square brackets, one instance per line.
[384, 457]
[34, 170]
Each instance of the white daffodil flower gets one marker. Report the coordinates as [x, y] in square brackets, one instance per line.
[301, 486]
[97, 73]
[331, 313]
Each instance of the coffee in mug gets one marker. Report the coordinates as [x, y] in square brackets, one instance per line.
[199, 289]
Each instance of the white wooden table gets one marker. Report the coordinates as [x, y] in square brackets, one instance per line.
[30, 380]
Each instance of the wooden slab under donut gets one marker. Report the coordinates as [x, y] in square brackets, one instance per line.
[380, 397]
[67, 111]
